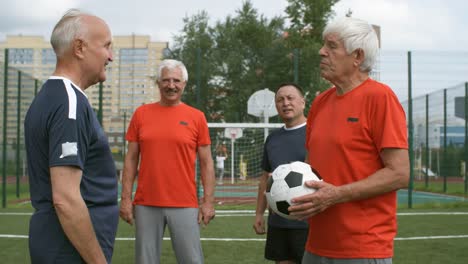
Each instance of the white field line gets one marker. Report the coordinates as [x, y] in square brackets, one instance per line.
[431, 237]
[255, 239]
[12, 236]
[225, 213]
[433, 213]
[5, 213]
[202, 239]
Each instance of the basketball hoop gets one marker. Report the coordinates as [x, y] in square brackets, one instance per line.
[233, 133]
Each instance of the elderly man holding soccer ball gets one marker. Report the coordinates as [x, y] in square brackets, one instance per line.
[356, 140]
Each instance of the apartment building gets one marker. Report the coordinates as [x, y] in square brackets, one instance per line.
[130, 79]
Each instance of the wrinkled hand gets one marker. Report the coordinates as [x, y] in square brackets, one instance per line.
[206, 213]
[309, 205]
[126, 210]
[259, 225]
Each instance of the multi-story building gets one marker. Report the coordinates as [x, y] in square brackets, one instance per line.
[130, 79]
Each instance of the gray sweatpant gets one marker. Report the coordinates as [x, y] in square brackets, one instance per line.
[310, 258]
[184, 230]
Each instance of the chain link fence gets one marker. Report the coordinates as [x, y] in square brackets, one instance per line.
[433, 80]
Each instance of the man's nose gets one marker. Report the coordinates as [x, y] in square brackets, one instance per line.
[111, 56]
[171, 82]
[322, 51]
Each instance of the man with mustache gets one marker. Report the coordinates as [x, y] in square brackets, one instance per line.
[357, 141]
[72, 176]
[165, 138]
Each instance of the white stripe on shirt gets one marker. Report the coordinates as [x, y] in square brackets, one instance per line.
[72, 105]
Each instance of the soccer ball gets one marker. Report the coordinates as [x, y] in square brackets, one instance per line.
[286, 183]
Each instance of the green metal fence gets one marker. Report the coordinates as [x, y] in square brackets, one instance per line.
[439, 137]
[438, 128]
[18, 90]
[438, 134]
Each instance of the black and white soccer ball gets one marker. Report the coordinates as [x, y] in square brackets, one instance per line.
[286, 183]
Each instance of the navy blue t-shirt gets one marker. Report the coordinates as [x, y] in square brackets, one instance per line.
[284, 146]
[61, 129]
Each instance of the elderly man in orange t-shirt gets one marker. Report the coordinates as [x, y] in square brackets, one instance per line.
[166, 137]
[357, 141]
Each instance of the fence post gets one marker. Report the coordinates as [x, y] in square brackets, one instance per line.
[466, 137]
[198, 91]
[18, 136]
[124, 151]
[36, 86]
[99, 113]
[444, 159]
[296, 66]
[426, 178]
[5, 109]
[410, 133]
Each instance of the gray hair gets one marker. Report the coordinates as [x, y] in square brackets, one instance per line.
[356, 34]
[69, 28]
[172, 64]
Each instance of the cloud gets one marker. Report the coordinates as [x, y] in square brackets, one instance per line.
[29, 17]
[162, 20]
[405, 24]
[415, 24]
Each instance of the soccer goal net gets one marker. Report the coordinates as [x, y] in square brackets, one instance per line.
[237, 150]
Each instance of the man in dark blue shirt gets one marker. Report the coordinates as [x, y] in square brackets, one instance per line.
[285, 238]
[72, 175]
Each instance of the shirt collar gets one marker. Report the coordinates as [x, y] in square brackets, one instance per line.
[64, 78]
[294, 127]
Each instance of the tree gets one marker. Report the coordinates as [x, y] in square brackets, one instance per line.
[247, 52]
[307, 21]
[310, 16]
[195, 38]
[244, 59]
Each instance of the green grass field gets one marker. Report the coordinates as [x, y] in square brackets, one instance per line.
[438, 187]
[425, 236]
[434, 231]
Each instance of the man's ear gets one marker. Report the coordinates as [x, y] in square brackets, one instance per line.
[79, 47]
[358, 56]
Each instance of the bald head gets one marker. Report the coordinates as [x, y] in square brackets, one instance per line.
[82, 43]
[73, 25]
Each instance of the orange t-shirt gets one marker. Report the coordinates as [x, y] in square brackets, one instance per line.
[345, 135]
[168, 139]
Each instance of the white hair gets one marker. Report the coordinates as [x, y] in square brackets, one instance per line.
[356, 34]
[170, 65]
[69, 28]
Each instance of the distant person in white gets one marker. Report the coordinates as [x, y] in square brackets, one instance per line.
[221, 156]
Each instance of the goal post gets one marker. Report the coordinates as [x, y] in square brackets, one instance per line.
[244, 144]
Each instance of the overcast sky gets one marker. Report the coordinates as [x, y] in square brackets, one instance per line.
[405, 24]
[417, 25]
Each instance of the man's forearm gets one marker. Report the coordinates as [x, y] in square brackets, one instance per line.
[207, 173]
[208, 186]
[127, 183]
[76, 223]
[129, 174]
[261, 200]
[208, 190]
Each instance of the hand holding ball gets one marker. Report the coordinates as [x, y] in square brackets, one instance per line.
[286, 183]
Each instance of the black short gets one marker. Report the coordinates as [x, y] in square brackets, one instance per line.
[285, 244]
